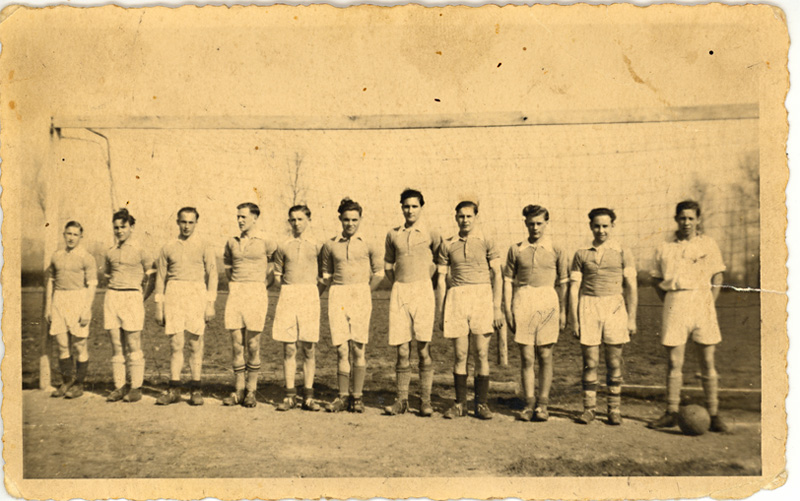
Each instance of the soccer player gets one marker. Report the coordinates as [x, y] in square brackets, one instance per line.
[535, 295]
[473, 305]
[246, 261]
[186, 289]
[297, 315]
[599, 313]
[687, 274]
[409, 265]
[352, 269]
[129, 271]
[71, 283]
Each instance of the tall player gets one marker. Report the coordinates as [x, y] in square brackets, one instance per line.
[352, 269]
[535, 291]
[70, 288]
[297, 315]
[687, 274]
[246, 261]
[599, 314]
[473, 308]
[409, 265]
[186, 289]
[129, 271]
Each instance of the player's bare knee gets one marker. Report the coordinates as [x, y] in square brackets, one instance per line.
[289, 350]
[308, 350]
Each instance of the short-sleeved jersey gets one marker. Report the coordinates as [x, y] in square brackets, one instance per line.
[186, 260]
[126, 265]
[687, 264]
[248, 258]
[539, 264]
[411, 252]
[296, 261]
[601, 269]
[349, 260]
[469, 258]
[73, 269]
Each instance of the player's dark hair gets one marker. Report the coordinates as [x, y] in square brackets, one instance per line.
[467, 203]
[124, 216]
[602, 211]
[300, 208]
[535, 210]
[254, 210]
[687, 205]
[73, 224]
[347, 204]
[412, 193]
[190, 210]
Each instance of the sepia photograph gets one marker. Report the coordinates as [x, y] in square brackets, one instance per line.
[287, 251]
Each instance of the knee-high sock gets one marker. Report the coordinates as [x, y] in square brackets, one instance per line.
[674, 384]
[460, 381]
[136, 368]
[359, 373]
[81, 368]
[403, 381]
[252, 377]
[118, 370]
[66, 366]
[481, 389]
[711, 389]
[589, 395]
[614, 385]
[425, 383]
[344, 384]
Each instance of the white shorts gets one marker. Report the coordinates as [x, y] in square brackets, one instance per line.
[603, 319]
[349, 310]
[468, 310]
[536, 314]
[66, 312]
[246, 306]
[411, 311]
[123, 310]
[689, 314]
[185, 307]
[297, 315]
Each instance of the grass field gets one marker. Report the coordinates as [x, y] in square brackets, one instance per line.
[88, 438]
[738, 355]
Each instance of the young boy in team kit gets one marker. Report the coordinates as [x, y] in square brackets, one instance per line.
[71, 283]
[246, 261]
[351, 267]
[473, 306]
[409, 265]
[687, 274]
[129, 271]
[598, 312]
[186, 289]
[536, 275]
[297, 316]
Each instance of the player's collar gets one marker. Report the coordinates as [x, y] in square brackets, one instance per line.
[249, 235]
[126, 243]
[304, 237]
[474, 234]
[342, 238]
[420, 227]
[544, 242]
[697, 236]
[612, 244]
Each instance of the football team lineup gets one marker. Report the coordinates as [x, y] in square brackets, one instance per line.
[461, 286]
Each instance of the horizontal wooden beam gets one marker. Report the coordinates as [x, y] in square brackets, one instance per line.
[431, 121]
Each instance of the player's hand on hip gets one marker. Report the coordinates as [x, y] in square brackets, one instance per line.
[86, 316]
[210, 312]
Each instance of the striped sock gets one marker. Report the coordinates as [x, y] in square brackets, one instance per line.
[589, 395]
[238, 378]
[252, 377]
[614, 384]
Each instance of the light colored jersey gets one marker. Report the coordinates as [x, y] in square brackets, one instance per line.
[537, 264]
[248, 258]
[600, 270]
[349, 261]
[186, 260]
[687, 264]
[126, 266]
[296, 261]
[469, 258]
[411, 252]
[72, 270]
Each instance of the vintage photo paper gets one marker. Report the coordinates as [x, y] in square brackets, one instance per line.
[216, 283]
